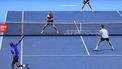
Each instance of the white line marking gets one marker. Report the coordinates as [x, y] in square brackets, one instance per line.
[53, 55]
[22, 39]
[6, 16]
[68, 5]
[77, 55]
[119, 13]
[82, 39]
[69, 22]
[1, 38]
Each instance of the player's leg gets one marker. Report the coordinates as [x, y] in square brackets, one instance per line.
[98, 43]
[55, 28]
[90, 6]
[44, 28]
[109, 42]
[13, 62]
[83, 6]
[20, 65]
[12, 65]
[16, 61]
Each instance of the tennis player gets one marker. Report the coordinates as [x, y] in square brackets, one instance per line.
[50, 22]
[104, 35]
[15, 54]
[88, 3]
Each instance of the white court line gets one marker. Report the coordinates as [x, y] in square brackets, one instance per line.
[1, 38]
[83, 22]
[22, 40]
[72, 55]
[82, 39]
[119, 13]
[68, 5]
[53, 55]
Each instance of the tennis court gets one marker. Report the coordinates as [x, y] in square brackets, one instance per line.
[62, 52]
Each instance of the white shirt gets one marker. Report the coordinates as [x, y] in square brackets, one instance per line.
[104, 33]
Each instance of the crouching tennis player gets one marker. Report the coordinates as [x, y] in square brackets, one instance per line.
[104, 36]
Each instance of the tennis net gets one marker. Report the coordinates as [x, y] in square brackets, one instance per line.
[64, 28]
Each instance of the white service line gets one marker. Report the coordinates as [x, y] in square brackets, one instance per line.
[87, 22]
[54, 55]
[1, 37]
[68, 5]
[82, 39]
[73, 55]
[119, 13]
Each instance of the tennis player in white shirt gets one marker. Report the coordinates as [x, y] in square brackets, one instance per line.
[104, 35]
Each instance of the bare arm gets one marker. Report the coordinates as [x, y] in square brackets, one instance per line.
[20, 39]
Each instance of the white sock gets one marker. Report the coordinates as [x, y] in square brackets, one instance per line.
[57, 32]
[96, 47]
[23, 65]
[112, 47]
[42, 31]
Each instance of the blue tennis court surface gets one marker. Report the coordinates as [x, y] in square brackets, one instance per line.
[40, 16]
[63, 52]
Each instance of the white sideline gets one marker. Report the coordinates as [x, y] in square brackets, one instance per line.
[82, 39]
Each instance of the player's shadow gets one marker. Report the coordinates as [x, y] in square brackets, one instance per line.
[101, 52]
